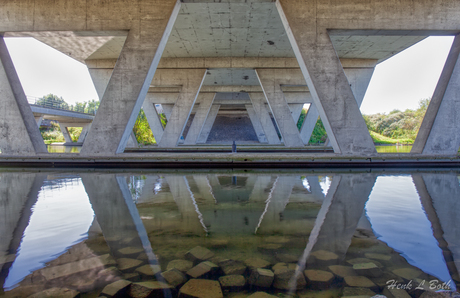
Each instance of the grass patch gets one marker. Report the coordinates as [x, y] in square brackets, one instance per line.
[379, 139]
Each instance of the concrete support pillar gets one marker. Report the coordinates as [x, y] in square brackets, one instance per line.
[439, 132]
[208, 124]
[84, 132]
[258, 101]
[258, 193]
[441, 214]
[256, 124]
[309, 124]
[132, 141]
[65, 132]
[326, 79]
[205, 189]
[129, 82]
[117, 215]
[167, 109]
[153, 119]
[296, 110]
[191, 81]
[202, 112]
[19, 134]
[271, 80]
[39, 121]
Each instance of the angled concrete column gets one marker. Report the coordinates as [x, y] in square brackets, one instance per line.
[191, 81]
[39, 120]
[208, 124]
[118, 216]
[309, 124]
[132, 141]
[258, 102]
[325, 78]
[258, 192]
[153, 119]
[443, 187]
[256, 124]
[100, 78]
[439, 132]
[130, 81]
[271, 80]
[18, 194]
[167, 109]
[65, 132]
[19, 134]
[296, 110]
[205, 189]
[84, 132]
[206, 100]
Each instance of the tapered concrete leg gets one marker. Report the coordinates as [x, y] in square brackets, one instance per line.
[192, 219]
[129, 83]
[309, 124]
[276, 203]
[18, 194]
[206, 100]
[153, 119]
[440, 130]
[84, 132]
[296, 110]
[19, 134]
[271, 80]
[117, 215]
[100, 78]
[437, 222]
[65, 132]
[326, 79]
[256, 124]
[208, 124]
[258, 102]
[132, 141]
[315, 188]
[258, 193]
[204, 188]
[39, 121]
[167, 109]
[191, 81]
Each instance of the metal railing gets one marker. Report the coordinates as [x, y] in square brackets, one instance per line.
[53, 104]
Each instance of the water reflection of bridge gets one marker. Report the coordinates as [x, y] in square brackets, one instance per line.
[204, 203]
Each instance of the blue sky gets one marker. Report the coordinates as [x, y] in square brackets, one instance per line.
[398, 83]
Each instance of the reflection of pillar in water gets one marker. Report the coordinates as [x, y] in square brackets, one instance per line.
[204, 188]
[118, 217]
[18, 193]
[439, 195]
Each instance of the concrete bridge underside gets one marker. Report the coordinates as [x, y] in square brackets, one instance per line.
[258, 62]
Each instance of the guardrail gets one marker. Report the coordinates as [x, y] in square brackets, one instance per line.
[53, 104]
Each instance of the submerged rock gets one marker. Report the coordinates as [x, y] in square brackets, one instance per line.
[148, 289]
[202, 270]
[198, 254]
[254, 263]
[323, 257]
[125, 264]
[261, 295]
[116, 289]
[149, 270]
[395, 293]
[360, 281]
[56, 292]
[367, 269]
[357, 291]
[201, 288]
[261, 278]
[284, 275]
[181, 265]
[232, 283]
[174, 277]
[319, 279]
[342, 271]
[233, 267]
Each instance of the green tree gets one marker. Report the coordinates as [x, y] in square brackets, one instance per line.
[53, 101]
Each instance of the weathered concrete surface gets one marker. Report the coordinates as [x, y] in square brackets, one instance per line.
[439, 132]
[271, 80]
[206, 100]
[324, 75]
[191, 81]
[256, 124]
[153, 119]
[130, 80]
[208, 124]
[262, 111]
[19, 133]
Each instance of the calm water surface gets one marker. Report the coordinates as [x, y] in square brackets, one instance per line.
[327, 234]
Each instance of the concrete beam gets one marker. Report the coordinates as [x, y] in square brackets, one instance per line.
[130, 81]
[208, 124]
[439, 131]
[191, 81]
[271, 80]
[326, 79]
[19, 134]
[206, 100]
